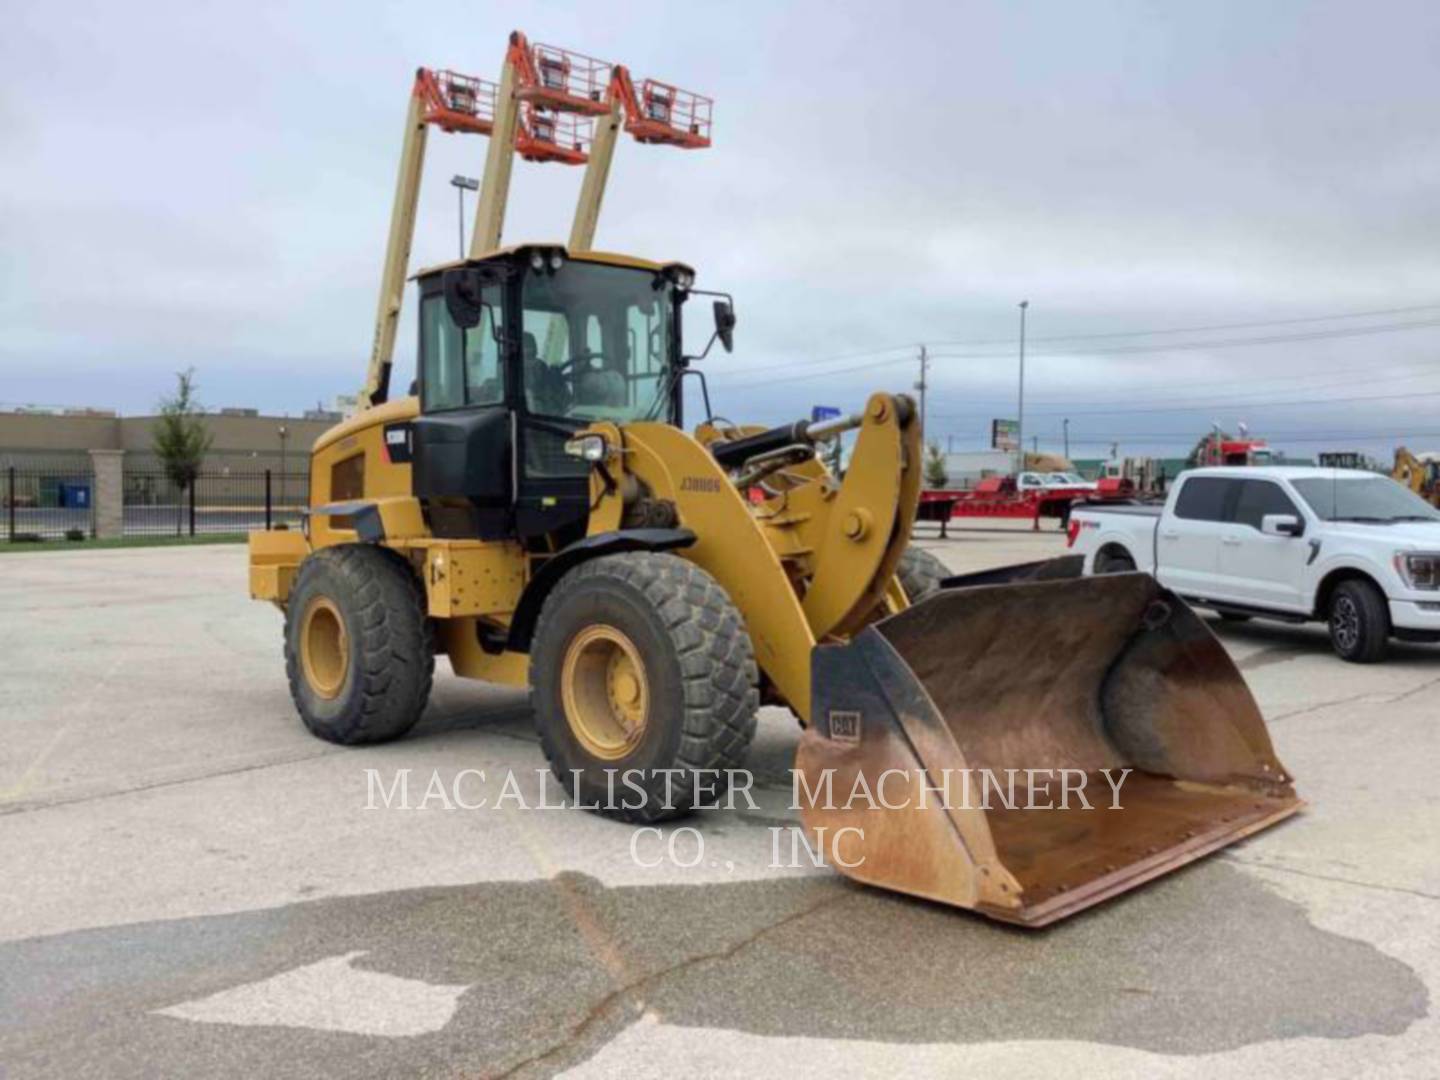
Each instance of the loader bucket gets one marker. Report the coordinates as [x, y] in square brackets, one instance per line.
[922, 721]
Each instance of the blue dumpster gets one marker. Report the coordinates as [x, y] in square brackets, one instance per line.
[75, 496]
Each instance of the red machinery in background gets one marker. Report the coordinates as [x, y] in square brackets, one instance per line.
[999, 497]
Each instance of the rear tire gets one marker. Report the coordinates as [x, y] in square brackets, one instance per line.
[642, 664]
[359, 649]
[920, 573]
[1114, 563]
[1359, 622]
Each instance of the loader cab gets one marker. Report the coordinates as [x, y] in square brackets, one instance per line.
[518, 352]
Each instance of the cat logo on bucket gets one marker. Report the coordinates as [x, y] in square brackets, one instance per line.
[844, 726]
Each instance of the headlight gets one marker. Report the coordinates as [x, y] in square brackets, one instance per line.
[1420, 571]
[589, 448]
[556, 260]
[537, 261]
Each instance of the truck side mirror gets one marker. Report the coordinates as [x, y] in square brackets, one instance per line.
[725, 324]
[1282, 525]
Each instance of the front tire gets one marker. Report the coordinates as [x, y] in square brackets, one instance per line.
[640, 665]
[359, 649]
[920, 573]
[1359, 622]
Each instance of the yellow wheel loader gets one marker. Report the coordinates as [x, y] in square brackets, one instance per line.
[1418, 472]
[535, 512]
[541, 519]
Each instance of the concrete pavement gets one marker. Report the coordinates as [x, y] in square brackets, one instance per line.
[193, 885]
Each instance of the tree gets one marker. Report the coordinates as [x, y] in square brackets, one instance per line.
[935, 474]
[181, 439]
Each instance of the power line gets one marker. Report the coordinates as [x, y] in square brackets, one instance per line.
[1059, 338]
[1244, 401]
[1192, 346]
[1204, 329]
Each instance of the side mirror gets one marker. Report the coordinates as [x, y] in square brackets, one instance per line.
[1282, 525]
[725, 324]
[464, 289]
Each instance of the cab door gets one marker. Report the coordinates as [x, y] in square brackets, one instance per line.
[1187, 545]
[1256, 569]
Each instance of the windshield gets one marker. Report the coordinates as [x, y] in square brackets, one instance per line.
[1366, 498]
[596, 341]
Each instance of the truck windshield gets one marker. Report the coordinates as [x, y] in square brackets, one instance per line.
[1365, 498]
[597, 342]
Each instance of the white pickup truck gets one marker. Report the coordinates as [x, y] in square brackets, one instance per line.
[1353, 549]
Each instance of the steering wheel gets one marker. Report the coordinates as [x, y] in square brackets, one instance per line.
[568, 367]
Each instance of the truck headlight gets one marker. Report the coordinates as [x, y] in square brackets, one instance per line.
[1420, 570]
[589, 448]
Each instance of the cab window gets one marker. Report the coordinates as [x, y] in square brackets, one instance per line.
[1258, 498]
[1203, 498]
[461, 367]
[596, 343]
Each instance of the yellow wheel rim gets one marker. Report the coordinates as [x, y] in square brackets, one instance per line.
[324, 647]
[605, 692]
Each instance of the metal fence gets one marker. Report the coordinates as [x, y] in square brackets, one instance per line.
[55, 502]
[49, 502]
[218, 502]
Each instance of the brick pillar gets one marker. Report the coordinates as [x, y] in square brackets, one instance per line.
[108, 493]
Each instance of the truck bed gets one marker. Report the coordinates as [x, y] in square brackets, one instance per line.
[1133, 509]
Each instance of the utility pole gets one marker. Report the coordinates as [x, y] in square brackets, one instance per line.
[924, 368]
[1020, 421]
[1067, 438]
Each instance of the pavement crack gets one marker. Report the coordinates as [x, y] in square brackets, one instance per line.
[1417, 690]
[1337, 879]
[1318, 707]
[635, 987]
[36, 804]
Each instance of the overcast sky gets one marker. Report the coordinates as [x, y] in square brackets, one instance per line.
[209, 184]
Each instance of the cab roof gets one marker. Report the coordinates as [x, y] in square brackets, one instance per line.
[609, 258]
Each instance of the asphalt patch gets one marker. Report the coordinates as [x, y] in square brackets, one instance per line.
[1206, 960]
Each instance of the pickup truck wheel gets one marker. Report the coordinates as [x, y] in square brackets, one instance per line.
[1114, 563]
[1359, 622]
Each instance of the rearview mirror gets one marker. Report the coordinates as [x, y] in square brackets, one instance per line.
[1282, 525]
[725, 324]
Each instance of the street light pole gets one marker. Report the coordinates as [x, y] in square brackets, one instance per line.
[1020, 422]
[462, 184]
[284, 434]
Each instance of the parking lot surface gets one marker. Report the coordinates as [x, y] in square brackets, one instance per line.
[192, 885]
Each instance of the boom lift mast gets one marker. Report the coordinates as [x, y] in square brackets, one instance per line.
[550, 104]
